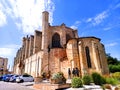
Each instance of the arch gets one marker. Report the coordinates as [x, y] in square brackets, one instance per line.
[88, 57]
[56, 40]
[68, 37]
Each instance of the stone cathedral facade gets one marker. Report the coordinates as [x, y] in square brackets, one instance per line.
[57, 48]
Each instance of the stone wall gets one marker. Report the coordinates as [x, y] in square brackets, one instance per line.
[33, 64]
[57, 48]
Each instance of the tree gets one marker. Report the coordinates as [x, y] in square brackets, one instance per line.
[111, 60]
[113, 63]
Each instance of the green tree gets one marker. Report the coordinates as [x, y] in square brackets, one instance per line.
[113, 63]
[111, 60]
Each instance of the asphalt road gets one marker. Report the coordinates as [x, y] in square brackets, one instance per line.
[14, 86]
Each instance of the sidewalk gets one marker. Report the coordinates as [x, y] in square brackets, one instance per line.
[27, 83]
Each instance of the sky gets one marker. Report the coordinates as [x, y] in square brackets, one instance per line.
[19, 18]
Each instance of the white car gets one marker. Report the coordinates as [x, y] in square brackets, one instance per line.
[24, 78]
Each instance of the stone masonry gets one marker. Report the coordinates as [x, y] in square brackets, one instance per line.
[57, 48]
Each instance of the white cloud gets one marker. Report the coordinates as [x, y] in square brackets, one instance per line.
[111, 26]
[8, 50]
[27, 14]
[75, 25]
[2, 16]
[111, 44]
[98, 18]
[117, 6]
[107, 28]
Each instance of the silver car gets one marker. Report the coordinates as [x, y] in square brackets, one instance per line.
[24, 78]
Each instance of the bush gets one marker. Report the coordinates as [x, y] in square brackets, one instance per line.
[98, 79]
[116, 75]
[57, 75]
[87, 79]
[114, 68]
[112, 81]
[76, 82]
[58, 78]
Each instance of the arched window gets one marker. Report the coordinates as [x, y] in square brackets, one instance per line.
[88, 57]
[56, 40]
[68, 37]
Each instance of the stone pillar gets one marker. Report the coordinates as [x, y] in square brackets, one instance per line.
[18, 56]
[27, 47]
[31, 45]
[63, 36]
[45, 40]
[98, 56]
[105, 69]
[82, 59]
[95, 60]
[76, 34]
[37, 41]
[20, 61]
[45, 25]
[23, 48]
[75, 54]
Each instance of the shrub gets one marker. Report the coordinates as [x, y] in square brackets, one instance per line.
[114, 68]
[116, 75]
[58, 78]
[112, 81]
[76, 82]
[87, 79]
[57, 75]
[98, 79]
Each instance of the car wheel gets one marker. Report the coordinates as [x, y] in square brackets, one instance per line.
[22, 81]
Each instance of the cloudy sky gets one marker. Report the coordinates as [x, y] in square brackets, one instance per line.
[99, 18]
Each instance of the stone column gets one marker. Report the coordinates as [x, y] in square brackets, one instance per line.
[31, 45]
[27, 47]
[95, 60]
[45, 39]
[37, 41]
[76, 34]
[23, 48]
[81, 58]
[105, 69]
[45, 25]
[75, 54]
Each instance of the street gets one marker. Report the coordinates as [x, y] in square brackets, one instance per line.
[14, 86]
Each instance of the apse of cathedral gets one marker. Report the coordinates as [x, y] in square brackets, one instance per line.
[57, 48]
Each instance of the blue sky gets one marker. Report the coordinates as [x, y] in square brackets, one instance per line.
[99, 18]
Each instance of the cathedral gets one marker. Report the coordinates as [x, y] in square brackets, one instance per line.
[57, 48]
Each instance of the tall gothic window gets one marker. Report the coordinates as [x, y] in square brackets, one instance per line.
[56, 40]
[68, 37]
[88, 57]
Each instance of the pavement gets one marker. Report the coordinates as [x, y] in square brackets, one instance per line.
[85, 87]
[27, 84]
[13, 86]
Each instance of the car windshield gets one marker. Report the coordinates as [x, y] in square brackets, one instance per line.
[26, 75]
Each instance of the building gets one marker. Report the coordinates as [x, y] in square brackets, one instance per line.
[57, 48]
[3, 65]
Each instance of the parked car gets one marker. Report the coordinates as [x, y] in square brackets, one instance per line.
[1, 77]
[6, 77]
[24, 78]
[13, 78]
